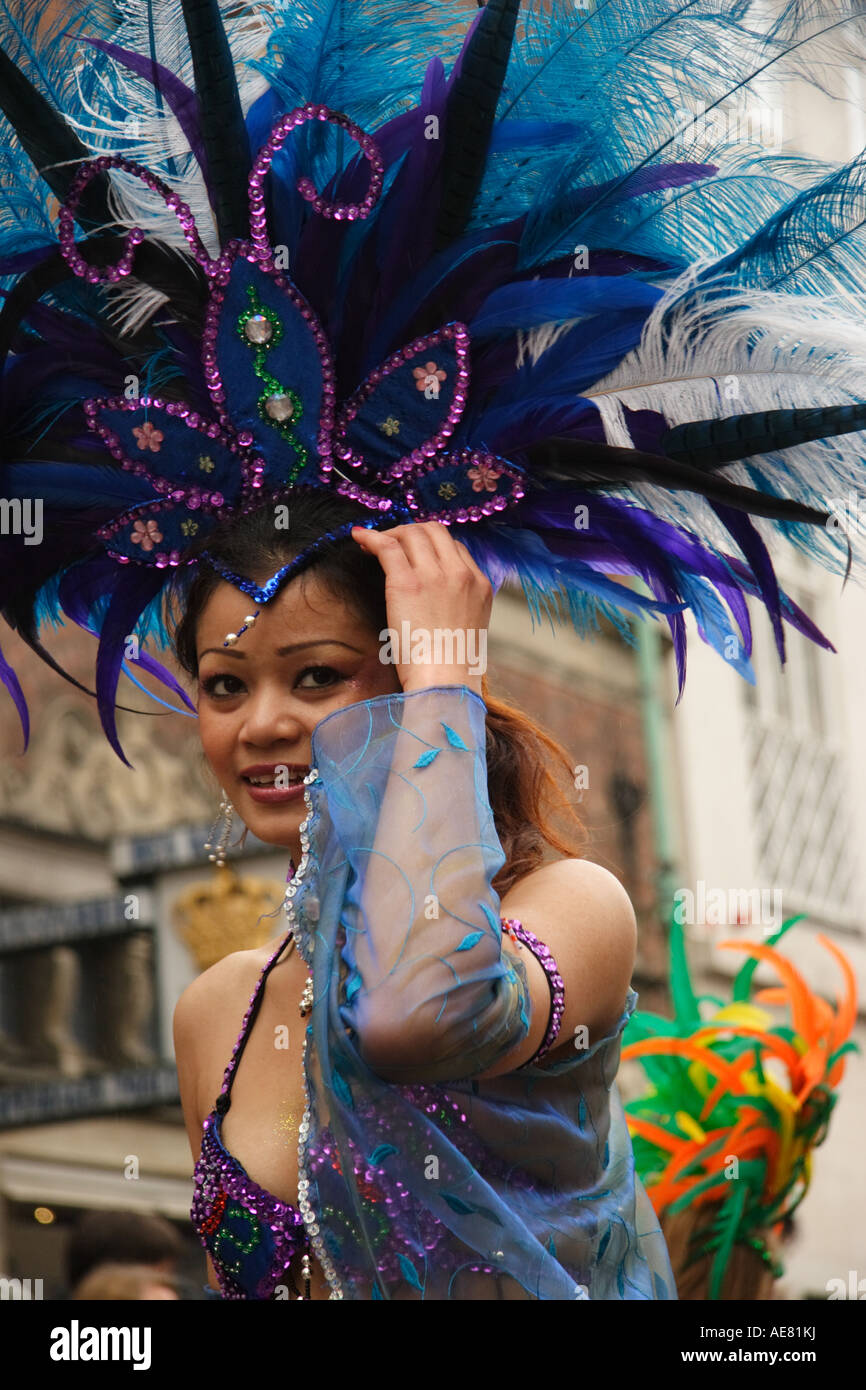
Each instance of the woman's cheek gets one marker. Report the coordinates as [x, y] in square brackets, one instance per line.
[214, 738]
[372, 677]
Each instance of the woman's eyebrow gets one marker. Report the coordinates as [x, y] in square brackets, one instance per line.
[285, 651]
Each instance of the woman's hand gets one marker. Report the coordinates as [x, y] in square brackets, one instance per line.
[438, 604]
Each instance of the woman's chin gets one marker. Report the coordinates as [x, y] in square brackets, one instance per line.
[275, 825]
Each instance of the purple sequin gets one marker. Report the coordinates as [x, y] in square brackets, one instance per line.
[555, 982]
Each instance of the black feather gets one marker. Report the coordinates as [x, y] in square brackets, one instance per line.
[707, 443]
[470, 116]
[223, 128]
[182, 280]
[580, 461]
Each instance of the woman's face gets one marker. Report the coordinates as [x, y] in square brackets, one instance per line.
[307, 655]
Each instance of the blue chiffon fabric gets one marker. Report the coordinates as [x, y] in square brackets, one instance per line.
[425, 1181]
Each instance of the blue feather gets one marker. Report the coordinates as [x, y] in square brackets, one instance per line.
[552, 301]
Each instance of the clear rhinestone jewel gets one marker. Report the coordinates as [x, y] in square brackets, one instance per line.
[258, 329]
[279, 407]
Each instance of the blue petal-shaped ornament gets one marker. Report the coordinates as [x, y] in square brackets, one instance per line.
[268, 368]
[408, 407]
[156, 532]
[183, 454]
[468, 486]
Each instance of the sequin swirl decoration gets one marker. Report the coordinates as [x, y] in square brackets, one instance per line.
[263, 1227]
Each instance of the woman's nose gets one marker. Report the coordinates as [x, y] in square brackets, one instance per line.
[269, 718]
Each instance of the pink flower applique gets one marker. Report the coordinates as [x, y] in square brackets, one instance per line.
[428, 377]
[483, 477]
[148, 436]
[146, 534]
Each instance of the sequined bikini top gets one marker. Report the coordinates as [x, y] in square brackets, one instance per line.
[251, 1236]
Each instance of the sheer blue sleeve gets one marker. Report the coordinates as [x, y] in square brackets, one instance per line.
[428, 992]
[417, 1178]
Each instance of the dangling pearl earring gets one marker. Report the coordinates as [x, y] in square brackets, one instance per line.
[226, 810]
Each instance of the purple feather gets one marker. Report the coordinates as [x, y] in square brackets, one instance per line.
[758, 557]
[24, 260]
[131, 597]
[13, 685]
[81, 588]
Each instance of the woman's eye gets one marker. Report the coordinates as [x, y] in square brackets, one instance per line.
[225, 686]
[212, 683]
[327, 671]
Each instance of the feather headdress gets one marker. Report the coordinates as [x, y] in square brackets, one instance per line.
[482, 271]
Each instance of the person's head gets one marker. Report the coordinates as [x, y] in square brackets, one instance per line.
[122, 1237]
[124, 1283]
[315, 648]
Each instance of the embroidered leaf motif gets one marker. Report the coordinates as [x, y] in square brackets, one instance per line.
[380, 1153]
[603, 1244]
[491, 917]
[410, 1274]
[426, 758]
[352, 988]
[469, 941]
[457, 1204]
[488, 1215]
[550, 1246]
[453, 737]
[581, 1112]
[342, 1089]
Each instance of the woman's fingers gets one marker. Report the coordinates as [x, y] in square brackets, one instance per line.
[388, 550]
[420, 546]
[433, 590]
[424, 542]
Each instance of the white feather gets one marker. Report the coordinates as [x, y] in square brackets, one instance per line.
[739, 352]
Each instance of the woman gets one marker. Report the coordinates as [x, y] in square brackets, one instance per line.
[448, 268]
[258, 710]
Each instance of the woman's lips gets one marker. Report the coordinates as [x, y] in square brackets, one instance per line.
[288, 783]
[275, 796]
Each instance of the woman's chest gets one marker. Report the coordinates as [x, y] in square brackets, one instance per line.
[261, 1126]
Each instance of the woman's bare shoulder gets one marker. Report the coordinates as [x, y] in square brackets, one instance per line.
[217, 991]
[569, 872]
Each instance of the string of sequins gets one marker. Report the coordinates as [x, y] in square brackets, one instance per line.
[309, 1215]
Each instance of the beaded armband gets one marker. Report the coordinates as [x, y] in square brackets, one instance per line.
[522, 937]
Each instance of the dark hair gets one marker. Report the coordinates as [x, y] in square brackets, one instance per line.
[521, 786]
[122, 1237]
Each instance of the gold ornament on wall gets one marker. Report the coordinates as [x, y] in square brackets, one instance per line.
[216, 918]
